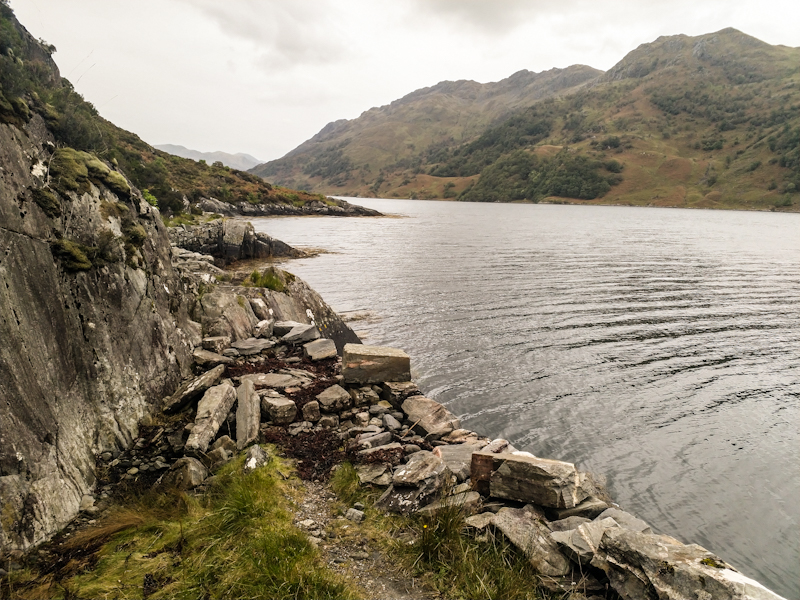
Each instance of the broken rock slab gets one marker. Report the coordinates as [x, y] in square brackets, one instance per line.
[650, 567]
[430, 418]
[374, 364]
[212, 410]
[395, 392]
[301, 334]
[625, 520]
[581, 543]
[320, 349]
[282, 411]
[334, 399]
[467, 502]
[589, 508]
[192, 389]
[252, 346]
[375, 474]
[458, 458]
[263, 328]
[248, 414]
[281, 328]
[275, 380]
[186, 474]
[532, 537]
[216, 343]
[208, 359]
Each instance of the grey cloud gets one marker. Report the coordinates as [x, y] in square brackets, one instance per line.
[490, 16]
[287, 33]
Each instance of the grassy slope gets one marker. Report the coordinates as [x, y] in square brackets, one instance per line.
[30, 83]
[710, 121]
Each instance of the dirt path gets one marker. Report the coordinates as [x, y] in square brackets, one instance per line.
[356, 557]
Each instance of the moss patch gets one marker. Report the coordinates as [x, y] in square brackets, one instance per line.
[72, 170]
[71, 255]
[48, 201]
[271, 278]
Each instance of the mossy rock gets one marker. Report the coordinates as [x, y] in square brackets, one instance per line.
[97, 168]
[135, 234]
[69, 171]
[117, 183]
[21, 108]
[48, 201]
[71, 254]
[271, 278]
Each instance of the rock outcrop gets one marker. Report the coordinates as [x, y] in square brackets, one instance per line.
[332, 207]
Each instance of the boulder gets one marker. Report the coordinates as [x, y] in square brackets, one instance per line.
[658, 567]
[301, 334]
[422, 468]
[282, 411]
[430, 418]
[225, 314]
[479, 522]
[260, 309]
[248, 415]
[589, 508]
[281, 328]
[499, 446]
[192, 389]
[458, 458]
[374, 364]
[252, 346]
[532, 537]
[311, 411]
[186, 474]
[625, 520]
[548, 483]
[334, 399]
[328, 421]
[395, 392]
[226, 443]
[390, 423]
[263, 328]
[467, 502]
[212, 411]
[581, 543]
[320, 349]
[376, 474]
[355, 515]
[364, 396]
[255, 457]
[207, 359]
[217, 343]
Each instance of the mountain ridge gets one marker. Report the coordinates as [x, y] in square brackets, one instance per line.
[239, 160]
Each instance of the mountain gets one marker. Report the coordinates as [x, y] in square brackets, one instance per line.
[240, 160]
[710, 121]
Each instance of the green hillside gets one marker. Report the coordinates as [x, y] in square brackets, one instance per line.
[30, 84]
[710, 121]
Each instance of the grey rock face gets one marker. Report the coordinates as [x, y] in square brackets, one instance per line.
[374, 364]
[186, 474]
[532, 537]
[212, 411]
[248, 415]
[223, 313]
[192, 389]
[320, 349]
[431, 418]
[334, 399]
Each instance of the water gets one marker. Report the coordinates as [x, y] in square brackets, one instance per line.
[658, 347]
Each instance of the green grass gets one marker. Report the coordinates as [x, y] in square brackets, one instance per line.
[236, 541]
[271, 278]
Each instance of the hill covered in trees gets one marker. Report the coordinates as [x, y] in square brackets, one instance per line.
[709, 121]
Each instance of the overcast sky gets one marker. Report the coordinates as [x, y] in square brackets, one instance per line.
[262, 76]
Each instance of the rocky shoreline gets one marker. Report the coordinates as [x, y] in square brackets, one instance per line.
[332, 207]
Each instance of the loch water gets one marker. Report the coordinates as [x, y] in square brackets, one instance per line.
[659, 348]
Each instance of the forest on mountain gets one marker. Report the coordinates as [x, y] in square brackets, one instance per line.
[711, 121]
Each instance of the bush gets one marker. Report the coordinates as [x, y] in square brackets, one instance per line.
[71, 254]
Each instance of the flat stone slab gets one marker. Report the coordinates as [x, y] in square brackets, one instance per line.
[277, 381]
[334, 399]
[248, 415]
[467, 502]
[458, 458]
[281, 328]
[590, 508]
[374, 364]
[430, 418]
[252, 346]
[387, 448]
[216, 343]
[212, 410]
[625, 520]
[320, 349]
[423, 469]
[192, 389]
[301, 334]
[481, 521]
[532, 537]
[206, 358]
[373, 441]
[376, 474]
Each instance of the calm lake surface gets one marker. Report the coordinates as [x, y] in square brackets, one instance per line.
[657, 347]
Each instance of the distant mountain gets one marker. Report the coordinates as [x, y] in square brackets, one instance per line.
[240, 160]
[707, 121]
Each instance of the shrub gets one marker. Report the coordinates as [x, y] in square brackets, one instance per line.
[149, 198]
[71, 254]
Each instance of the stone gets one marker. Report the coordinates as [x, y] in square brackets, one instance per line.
[328, 421]
[354, 515]
[423, 470]
[252, 346]
[376, 410]
[589, 508]
[567, 524]
[640, 565]
[458, 458]
[225, 313]
[300, 427]
[411, 448]
[320, 349]
[263, 328]
[374, 364]
[379, 439]
[301, 334]
[364, 454]
[498, 446]
[548, 483]
[254, 458]
[248, 414]
[625, 520]
[376, 474]
[216, 343]
[274, 380]
[532, 537]
[311, 411]
[260, 309]
[87, 502]
[282, 411]
[581, 543]
[430, 418]
[467, 502]
[230, 353]
[212, 410]
[480, 521]
[361, 419]
[217, 457]
[391, 423]
[281, 328]
[186, 474]
[226, 443]
[192, 389]
[334, 399]
[395, 392]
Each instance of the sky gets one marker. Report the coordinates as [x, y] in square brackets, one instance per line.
[263, 76]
